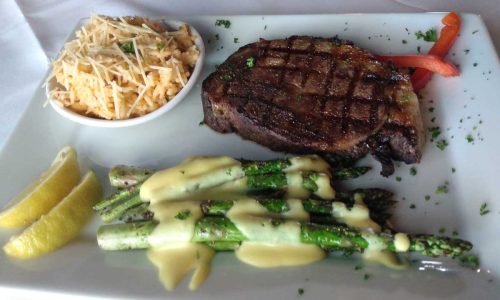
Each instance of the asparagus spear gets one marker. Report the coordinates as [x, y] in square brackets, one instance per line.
[349, 173]
[117, 197]
[125, 176]
[116, 205]
[120, 196]
[222, 230]
[377, 200]
[140, 212]
[119, 210]
[320, 210]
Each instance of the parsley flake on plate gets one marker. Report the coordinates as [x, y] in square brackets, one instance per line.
[223, 23]
[483, 209]
[429, 36]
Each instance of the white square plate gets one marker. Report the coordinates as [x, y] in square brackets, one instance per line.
[460, 106]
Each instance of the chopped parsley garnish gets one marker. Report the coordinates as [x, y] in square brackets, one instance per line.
[454, 233]
[419, 49]
[404, 41]
[183, 215]
[182, 171]
[469, 261]
[483, 209]
[475, 31]
[235, 40]
[227, 77]
[469, 138]
[250, 62]
[413, 206]
[435, 132]
[413, 171]
[299, 98]
[201, 123]
[427, 197]
[228, 172]
[398, 178]
[265, 27]
[442, 189]
[217, 37]
[300, 292]
[429, 36]
[127, 47]
[442, 144]
[356, 268]
[474, 64]
[366, 276]
[224, 23]
[160, 46]
[453, 170]
[442, 230]
[466, 51]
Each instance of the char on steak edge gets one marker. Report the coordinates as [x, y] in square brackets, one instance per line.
[309, 94]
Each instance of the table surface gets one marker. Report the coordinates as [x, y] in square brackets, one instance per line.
[34, 31]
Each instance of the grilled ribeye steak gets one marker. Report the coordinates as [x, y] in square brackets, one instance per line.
[316, 95]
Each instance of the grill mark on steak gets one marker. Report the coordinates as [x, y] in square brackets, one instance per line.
[348, 101]
[316, 95]
[286, 59]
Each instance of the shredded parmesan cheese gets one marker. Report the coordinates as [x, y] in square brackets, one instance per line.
[122, 68]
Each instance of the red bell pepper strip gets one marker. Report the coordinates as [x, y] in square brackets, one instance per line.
[430, 63]
[446, 39]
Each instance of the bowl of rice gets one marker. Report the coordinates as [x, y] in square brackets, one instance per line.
[124, 71]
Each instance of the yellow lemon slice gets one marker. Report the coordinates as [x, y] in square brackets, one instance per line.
[62, 224]
[42, 195]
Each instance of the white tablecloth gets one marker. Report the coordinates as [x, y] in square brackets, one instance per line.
[34, 30]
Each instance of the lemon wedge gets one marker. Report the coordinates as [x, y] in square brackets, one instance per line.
[62, 224]
[41, 196]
